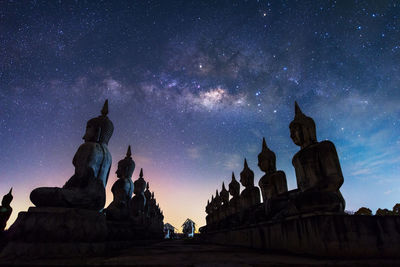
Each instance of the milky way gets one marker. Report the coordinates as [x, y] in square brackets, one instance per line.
[193, 86]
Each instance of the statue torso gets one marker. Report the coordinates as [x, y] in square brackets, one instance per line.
[316, 163]
[250, 196]
[273, 184]
[92, 160]
[122, 190]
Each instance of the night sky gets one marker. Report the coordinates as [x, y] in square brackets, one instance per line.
[193, 86]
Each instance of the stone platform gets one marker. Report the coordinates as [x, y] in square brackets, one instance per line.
[64, 232]
[56, 231]
[325, 235]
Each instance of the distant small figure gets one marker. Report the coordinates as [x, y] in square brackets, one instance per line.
[383, 212]
[138, 201]
[5, 210]
[250, 196]
[92, 162]
[188, 228]
[122, 189]
[273, 183]
[363, 211]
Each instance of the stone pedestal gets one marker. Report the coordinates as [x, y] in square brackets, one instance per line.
[324, 235]
[47, 232]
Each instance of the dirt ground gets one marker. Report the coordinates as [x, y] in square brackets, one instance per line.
[192, 253]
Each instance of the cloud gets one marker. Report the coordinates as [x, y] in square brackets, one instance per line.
[232, 161]
[194, 152]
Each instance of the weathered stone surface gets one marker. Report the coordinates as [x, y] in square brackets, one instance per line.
[47, 224]
[56, 231]
[325, 235]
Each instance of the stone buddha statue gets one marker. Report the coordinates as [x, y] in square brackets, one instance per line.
[317, 167]
[208, 212]
[122, 189]
[224, 197]
[211, 211]
[216, 207]
[273, 183]
[250, 196]
[147, 195]
[5, 210]
[92, 162]
[234, 191]
[152, 205]
[138, 202]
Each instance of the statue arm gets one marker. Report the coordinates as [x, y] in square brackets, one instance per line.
[332, 178]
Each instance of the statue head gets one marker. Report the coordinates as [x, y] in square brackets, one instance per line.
[234, 187]
[99, 129]
[266, 159]
[302, 128]
[247, 176]
[7, 199]
[126, 166]
[224, 195]
[140, 184]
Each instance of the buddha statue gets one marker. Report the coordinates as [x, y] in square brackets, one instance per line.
[92, 162]
[147, 195]
[5, 210]
[250, 196]
[273, 183]
[224, 197]
[234, 191]
[211, 213]
[208, 212]
[138, 202]
[152, 206]
[317, 168]
[122, 189]
[216, 207]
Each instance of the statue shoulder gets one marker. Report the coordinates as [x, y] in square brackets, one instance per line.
[326, 145]
[280, 173]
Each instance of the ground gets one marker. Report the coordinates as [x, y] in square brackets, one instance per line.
[192, 253]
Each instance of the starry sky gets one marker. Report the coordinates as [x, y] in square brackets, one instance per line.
[193, 86]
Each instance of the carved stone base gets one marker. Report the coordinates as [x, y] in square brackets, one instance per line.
[56, 231]
[327, 235]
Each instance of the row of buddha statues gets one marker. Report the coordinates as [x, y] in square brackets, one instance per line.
[318, 174]
[86, 188]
